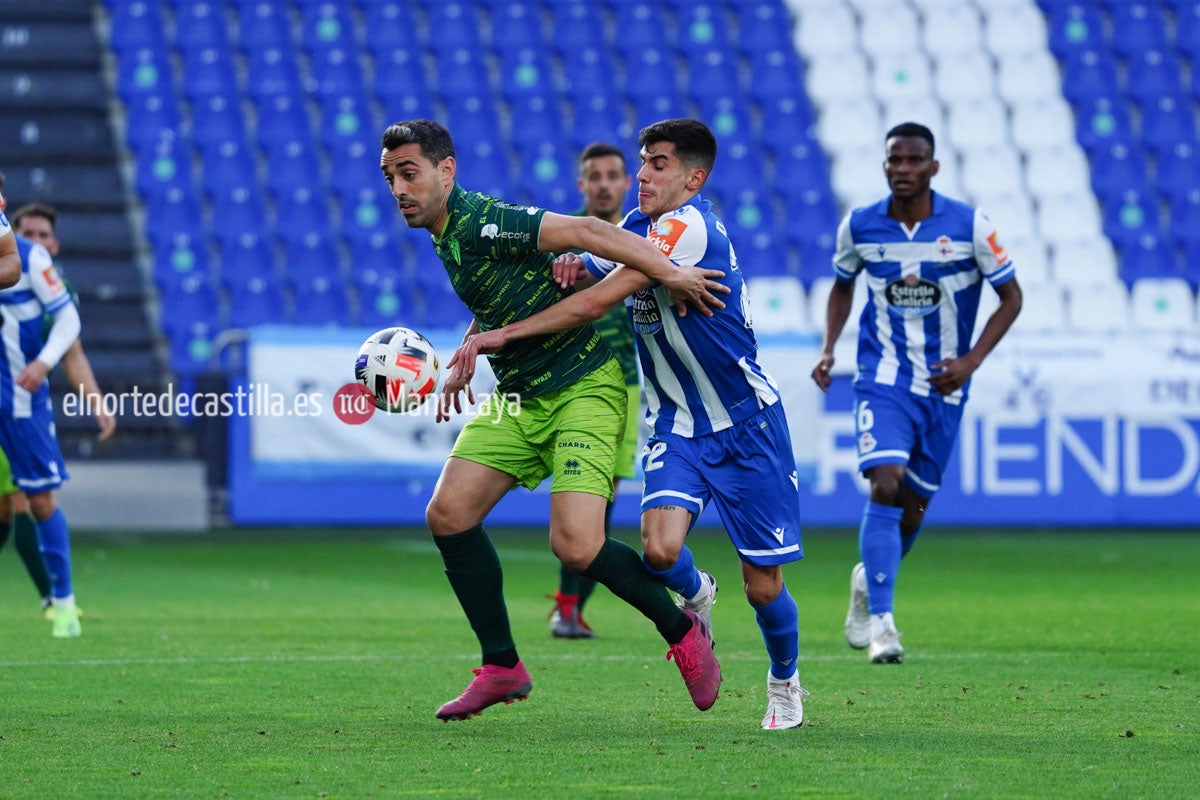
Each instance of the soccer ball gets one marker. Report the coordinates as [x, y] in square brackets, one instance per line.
[399, 367]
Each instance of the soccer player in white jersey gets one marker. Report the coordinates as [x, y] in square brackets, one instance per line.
[719, 431]
[27, 431]
[924, 258]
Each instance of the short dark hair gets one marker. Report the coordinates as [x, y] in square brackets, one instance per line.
[694, 142]
[599, 150]
[433, 138]
[912, 129]
[36, 210]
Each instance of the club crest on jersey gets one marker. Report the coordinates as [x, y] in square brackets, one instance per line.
[866, 442]
[665, 235]
[912, 296]
[647, 317]
[943, 248]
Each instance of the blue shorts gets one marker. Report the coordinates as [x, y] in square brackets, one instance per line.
[747, 471]
[895, 426]
[32, 448]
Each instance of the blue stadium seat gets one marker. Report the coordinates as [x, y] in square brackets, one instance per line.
[384, 305]
[702, 26]
[524, 74]
[657, 61]
[239, 210]
[180, 256]
[282, 121]
[377, 257]
[137, 25]
[598, 118]
[1129, 216]
[536, 119]
[352, 169]
[1089, 74]
[387, 25]
[336, 74]
[472, 118]
[547, 174]
[144, 71]
[1167, 121]
[775, 73]
[641, 27]
[1151, 74]
[441, 308]
[257, 302]
[400, 83]
[147, 116]
[309, 255]
[516, 25]
[764, 26]
[370, 211]
[206, 72]
[326, 26]
[1137, 28]
[1187, 33]
[461, 72]
[575, 25]
[712, 73]
[1075, 27]
[482, 168]
[739, 168]
[300, 211]
[1149, 256]
[588, 71]
[1185, 219]
[1102, 122]
[749, 213]
[816, 258]
[217, 119]
[802, 166]
[730, 118]
[786, 122]
[227, 165]
[262, 26]
[346, 119]
[810, 215]
[271, 73]
[192, 347]
[173, 212]
[323, 302]
[200, 24]
[455, 28]
[1177, 170]
[195, 299]
[163, 166]
[247, 258]
[1117, 169]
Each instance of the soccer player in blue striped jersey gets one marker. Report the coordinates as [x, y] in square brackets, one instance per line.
[719, 434]
[924, 258]
[27, 433]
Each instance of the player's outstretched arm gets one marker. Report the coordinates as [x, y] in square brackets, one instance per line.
[692, 285]
[952, 373]
[455, 384]
[81, 377]
[580, 308]
[837, 311]
[10, 262]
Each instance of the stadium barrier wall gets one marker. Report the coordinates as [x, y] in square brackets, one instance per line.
[1059, 431]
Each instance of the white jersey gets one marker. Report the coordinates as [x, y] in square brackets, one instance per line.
[924, 286]
[701, 373]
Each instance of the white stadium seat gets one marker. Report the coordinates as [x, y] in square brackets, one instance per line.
[851, 125]
[1057, 170]
[890, 28]
[901, 76]
[857, 176]
[1027, 76]
[1011, 212]
[979, 122]
[952, 29]
[1098, 308]
[1163, 304]
[1042, 309]
[837, 76]
[778, 304]
[1013, 26]
[1040, 123]
[823, 27]
[818, 299]
[926, 110]
[1084, 261]
[991, 170]
[963, 76]
[1029, 257]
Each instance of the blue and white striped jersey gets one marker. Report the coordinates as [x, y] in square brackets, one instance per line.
[700, 372]
[22, 306]
[924, 286]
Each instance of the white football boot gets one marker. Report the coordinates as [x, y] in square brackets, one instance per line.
[885, 647]
[858, 617]
[785, 704]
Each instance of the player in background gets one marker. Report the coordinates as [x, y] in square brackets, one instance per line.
[924, 258]
[39, 223]
[27, 432]
[719, 431]
[10, 259]
[567, 420]
[604, 181]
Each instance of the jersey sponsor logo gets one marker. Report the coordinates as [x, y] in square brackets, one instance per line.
[50, 274]
[647, 317]
[665, 235]
[911, 296]
[572, 467]
[997, 249]
[579, 445]
[490, 231]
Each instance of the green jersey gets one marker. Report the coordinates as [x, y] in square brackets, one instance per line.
[490, 251]
[616, 329]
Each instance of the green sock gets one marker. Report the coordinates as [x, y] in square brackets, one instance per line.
[25, 535]
[619, 567]
[5, 530]
[569, 580]
[475, 575]
[587, 585]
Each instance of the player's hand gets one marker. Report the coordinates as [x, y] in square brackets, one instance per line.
[695, 286]
[461, 365]
[567, 269]
[951, 374]
[31, 378]
[107, 423]
[821, 372]
[451, 395]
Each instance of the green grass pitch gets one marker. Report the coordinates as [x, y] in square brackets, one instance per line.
[308, 664]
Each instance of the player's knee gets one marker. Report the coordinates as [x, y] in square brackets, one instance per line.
[762, 586]
[42, 505]
[658, 554]
[443, 519]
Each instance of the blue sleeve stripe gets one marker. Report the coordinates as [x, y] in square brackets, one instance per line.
[15, 298]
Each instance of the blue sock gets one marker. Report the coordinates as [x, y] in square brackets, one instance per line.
[682, 578]
[56, 551]
[907, 540]
[879, 543]
[780, 622]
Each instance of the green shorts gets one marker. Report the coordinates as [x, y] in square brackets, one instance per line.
[572, 434]
[7, 486]
[627, 453]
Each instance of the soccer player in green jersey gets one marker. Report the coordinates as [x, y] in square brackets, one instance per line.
[604, 180]
[559, 409]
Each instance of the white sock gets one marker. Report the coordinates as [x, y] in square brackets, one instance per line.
[69, 600]
[703, 593]
[881, 623]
